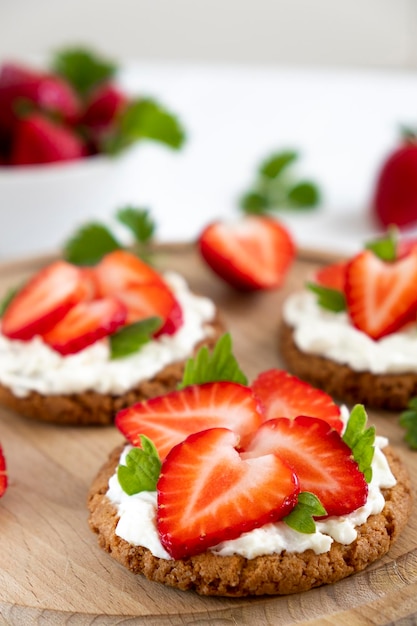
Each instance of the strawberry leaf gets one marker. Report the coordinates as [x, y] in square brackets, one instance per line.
[301, 517]
[129, 339]
[221, 365]
[386, 247]
[82, 68]
[138, 221]
[89, 244]
[328, 298]
[142, 468]
[8, 298]
[408, 420]
[360, 440]
[144, 119]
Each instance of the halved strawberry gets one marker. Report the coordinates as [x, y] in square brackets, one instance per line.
[86, 323]
[150, 300]
[102, 106]
[253, 253]
[381, 296]
[120, 270]
[208, 494]
[332, 276]
[44, 301]
[40, 140]
[169, 419]
[3, 473]
[283, 395]
[322, 461]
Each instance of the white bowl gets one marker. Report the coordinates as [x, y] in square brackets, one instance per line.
[42, 205]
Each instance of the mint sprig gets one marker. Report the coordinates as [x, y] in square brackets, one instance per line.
[360, 440]
[220, 365]
[94, 240]
[301, 517]
[408, 420]
[142, 468]
[328, 298]
[83, 68]
[276, 187]
[129, 339]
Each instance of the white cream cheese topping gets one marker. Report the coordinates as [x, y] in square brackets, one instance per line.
[332, 335]
[34, 366]
[137, 522]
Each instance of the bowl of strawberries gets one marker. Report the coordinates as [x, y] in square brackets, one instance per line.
[69, 146]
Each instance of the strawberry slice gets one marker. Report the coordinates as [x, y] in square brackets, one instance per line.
[169, 419]
[208, 494]
[44, 301]
[381, 296]
[86, 323]
[322, 461]
[40, 140]
[283, 395]
[3, 473]
[150, 300]
[120, 270]
[254, 253]
[332, 276]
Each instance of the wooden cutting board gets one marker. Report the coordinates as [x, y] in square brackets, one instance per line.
[52, 570]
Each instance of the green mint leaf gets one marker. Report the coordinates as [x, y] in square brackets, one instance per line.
[360, 440]
[330, 299]
[144, 119]
[304, 195]
[408, 420]
[142, 468]
[301, 517]
[10, 294]
[129, 339]
[89, 244]
[219, 365]
[254, 202]
[138, 221]
[276, 163]
[82, 68]
[386, 247]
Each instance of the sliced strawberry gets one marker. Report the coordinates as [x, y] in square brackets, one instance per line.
[322, 461]
[44, 301]
[169, 419]
[332, 276]
[150, 300]
[254, 253]
[86, 323]
[102, 106]
[283, 395]
[381, 296]
[208, 494]
[120, 270]
[40, 140]
[3, 473]
[405, 246]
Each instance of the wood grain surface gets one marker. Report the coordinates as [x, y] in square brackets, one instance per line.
[52, 570]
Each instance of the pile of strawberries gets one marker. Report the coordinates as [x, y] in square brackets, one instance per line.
[43, 119]
[71, 307]
[236, 457]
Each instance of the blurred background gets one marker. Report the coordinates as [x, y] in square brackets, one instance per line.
[332, 80]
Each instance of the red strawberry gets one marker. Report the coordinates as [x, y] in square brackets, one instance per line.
[40, 140]
[208, 494]
[103, 105]
[395, 195]
[332, 276]
[283, 395]
[120, 270]
[3, 473]
[44, 301]
[169, 419]
[381, 296]
[322, 461]
[254, 253]
[150, 300]
[86, 323]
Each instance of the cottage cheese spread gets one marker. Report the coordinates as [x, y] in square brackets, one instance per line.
[33, 366]
[137, 522]
[331, 335]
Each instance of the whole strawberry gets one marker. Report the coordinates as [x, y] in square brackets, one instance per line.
[395, 196]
